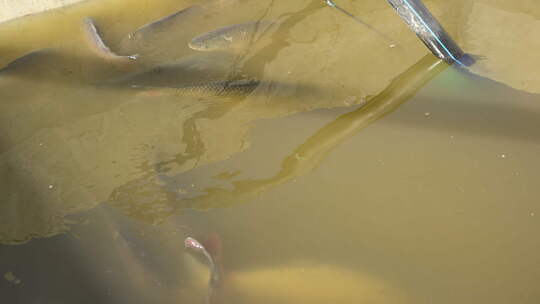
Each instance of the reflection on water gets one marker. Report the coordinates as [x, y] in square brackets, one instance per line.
[299, 162]
[351, 172]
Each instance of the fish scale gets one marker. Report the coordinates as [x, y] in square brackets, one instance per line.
[228, 88]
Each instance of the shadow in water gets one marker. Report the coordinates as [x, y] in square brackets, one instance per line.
[132, 197]
[489, 110]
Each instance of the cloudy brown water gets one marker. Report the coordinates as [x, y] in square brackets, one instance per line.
[356, 172]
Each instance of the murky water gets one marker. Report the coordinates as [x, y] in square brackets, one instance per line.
[358, 170]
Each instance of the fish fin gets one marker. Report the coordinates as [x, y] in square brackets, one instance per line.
[30, 58]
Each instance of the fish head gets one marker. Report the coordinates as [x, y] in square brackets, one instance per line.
[193, 244]
[198, 45]
[208, 43]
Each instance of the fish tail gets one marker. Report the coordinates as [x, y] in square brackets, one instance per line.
[213, 246]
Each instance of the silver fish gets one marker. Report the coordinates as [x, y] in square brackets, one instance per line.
[224, 89]
[166, 23]
[98, 45]
[230, 37]
[167, 36]
[196, 246]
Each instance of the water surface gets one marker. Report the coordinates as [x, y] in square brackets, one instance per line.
[356, 171]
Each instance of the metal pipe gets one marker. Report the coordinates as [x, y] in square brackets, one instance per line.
[430, 31]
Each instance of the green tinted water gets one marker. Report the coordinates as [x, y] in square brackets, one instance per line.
[355, 172]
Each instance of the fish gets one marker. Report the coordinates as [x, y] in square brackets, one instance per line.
[215, 271]
[166, 23]
[167, 37]
[43, 65]
[221, 88]
[97, 44]
[27, 60]
[295, 282]
[370, 27]
[230, 37]
[195, 68]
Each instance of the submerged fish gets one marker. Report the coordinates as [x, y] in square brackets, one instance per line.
[27, 60]
[98, 45]
[311, 282]
[227, 88]
[215, 271]
[44, 65]
[230, 37]
[166, 23]
[167, 37]
[195, 68]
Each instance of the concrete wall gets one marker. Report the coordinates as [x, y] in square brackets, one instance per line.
[11, 9]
